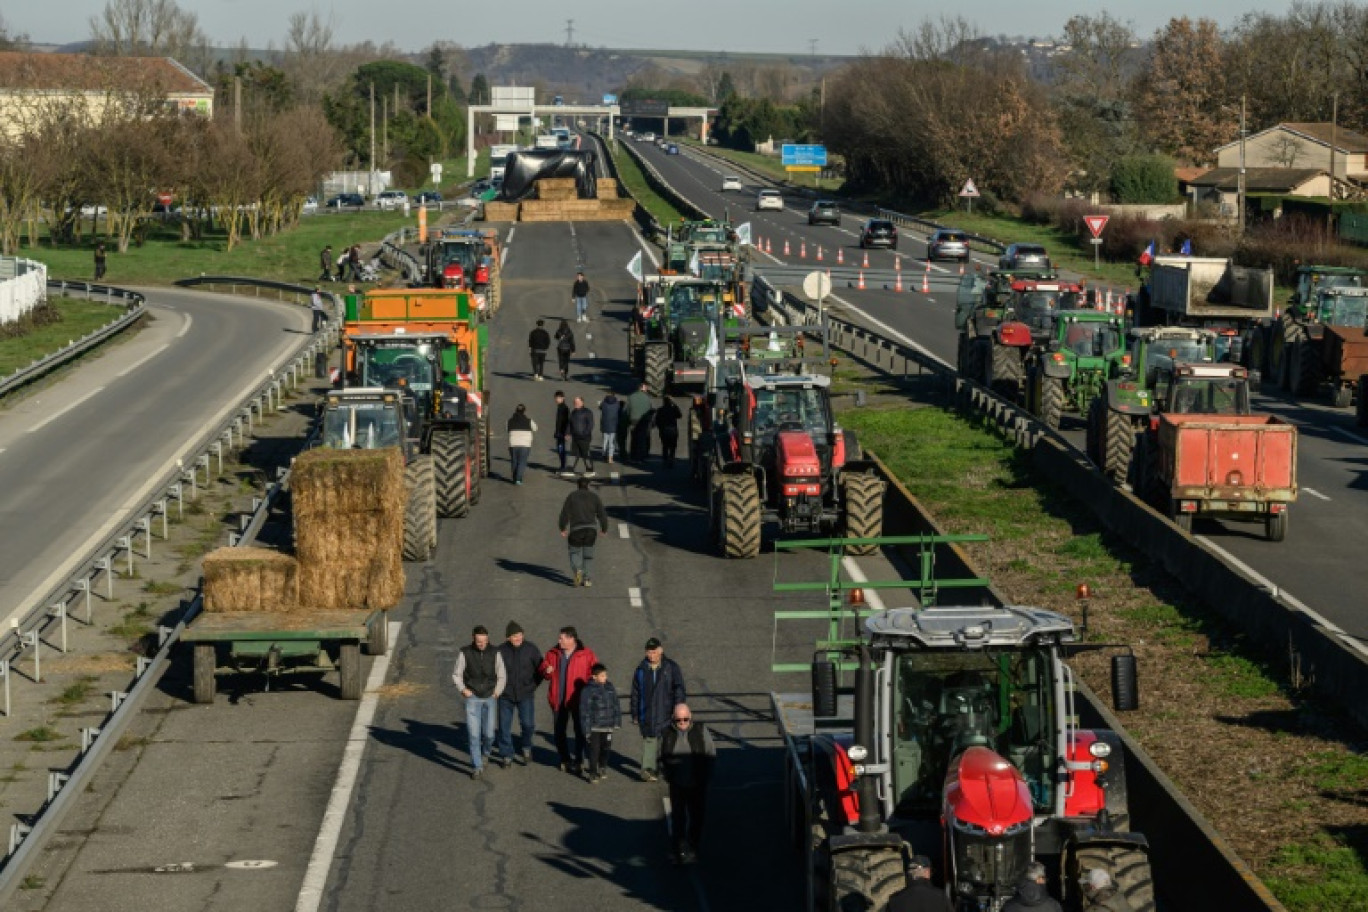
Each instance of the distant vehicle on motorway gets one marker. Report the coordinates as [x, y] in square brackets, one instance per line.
[824, 212]
[645, 137]
[879, 233]
[947, 244]
[345, 200]
[672, 149]
[731, 182]
[769, 199]
[1023, 256]
[432, 196]
[310, 206]
[391, 199]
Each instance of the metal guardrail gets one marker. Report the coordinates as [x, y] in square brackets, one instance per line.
[136, 308]
[645, 221]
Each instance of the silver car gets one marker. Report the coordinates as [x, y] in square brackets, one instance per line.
[1024, 256]
[947, 244]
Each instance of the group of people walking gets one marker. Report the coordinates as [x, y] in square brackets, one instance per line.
[500, 683]
[347, 264]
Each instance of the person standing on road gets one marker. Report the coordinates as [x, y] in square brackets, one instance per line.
[354, 262]
[520, 431]
[480, 678]
[1101, 893]
[580, 293]
[687, 756]
[600, 716]
[565, 347]
[638, 408]
[562, 429]
[700, 423]
[316, 309]
[325, 264]
[657, 688]
[920, 894]
[567, 666]
[538, 341]
[1030, 895]
[521, 659]
[667, 424]
[582, 438]
[582, 517]
[101, 258]
[610, 415]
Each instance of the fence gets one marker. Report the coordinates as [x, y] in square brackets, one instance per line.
[23, 286]
[1353, 227]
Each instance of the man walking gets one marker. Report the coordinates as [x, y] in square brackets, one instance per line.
[101, 258]
[610, 414]
[520, 431]
[565, 347]
[581, 518]
[562, 431]
[325, 264]
[521, 659]
[480, 678]
[567, 666]
[538, 343]
[580, 292]
[316, 308]
[920, 894]
[657, 688]
[667, 424]
[582, 437]
[687, 755]
[638, 407]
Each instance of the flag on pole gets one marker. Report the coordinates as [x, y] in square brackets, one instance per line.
[711, 354]
[1187, 248]
[693, 263]
[634, 266]
[1147, 255]
[743, 234]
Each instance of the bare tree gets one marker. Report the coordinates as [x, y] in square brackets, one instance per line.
[8, 40]
[147, 28]
[311, 59]
[1285, 151]
[19, 189]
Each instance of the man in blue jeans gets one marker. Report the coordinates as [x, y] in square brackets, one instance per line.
[580, 293]
[480, 678]
[520, 658]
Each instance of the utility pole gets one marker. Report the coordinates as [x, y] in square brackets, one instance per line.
[569, 32]
[1334, 137]
[384, 128]
[237, 104]
[371, 177]
[1240, 185]
[812, 47]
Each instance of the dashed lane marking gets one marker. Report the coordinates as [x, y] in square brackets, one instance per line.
[634, 596]
[1351, 435]
[147, 357]
[1314, 493]
[623, 531]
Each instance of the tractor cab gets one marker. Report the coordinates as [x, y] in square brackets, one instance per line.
[363, 418]
[1339, 306]
[1311, 280]
[1038, 304]
[1202, 389]
[458, 261]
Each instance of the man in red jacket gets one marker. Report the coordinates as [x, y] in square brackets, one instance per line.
[567, 666]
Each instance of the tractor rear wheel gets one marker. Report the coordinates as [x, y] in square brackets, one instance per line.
[864, 497]
[1119, 441]
[739, 522]
[420, 513]
[865, 878]
[975, 358]
[1275, 526]
[1051, 401]
[657, 369]
[1306, 368]
[1129, 869]
[451, 455]
[1005, 372]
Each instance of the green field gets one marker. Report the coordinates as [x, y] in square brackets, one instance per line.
[79, 317]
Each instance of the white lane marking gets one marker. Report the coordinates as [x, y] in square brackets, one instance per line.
[508, 240]
[892, 333]
[144, 359]
[872, 597]
[1314, 493]
[634, 596]
[615, 478]
[58, 414]
[623, 531]
[1351, 435]
[189, 321]
[508, 255]
[1286, 596]
[325, 846]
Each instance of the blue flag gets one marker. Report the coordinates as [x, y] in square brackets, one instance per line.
[1187, 248]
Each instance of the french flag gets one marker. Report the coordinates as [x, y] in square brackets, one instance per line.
[1147, 255]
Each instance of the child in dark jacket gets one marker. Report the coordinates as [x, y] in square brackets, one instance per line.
[600, 716]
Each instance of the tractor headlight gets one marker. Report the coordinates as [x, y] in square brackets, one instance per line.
[857, 753]
[1100, 749]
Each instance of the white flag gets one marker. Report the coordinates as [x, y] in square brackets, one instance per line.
[693, 263]
[634, 266]
[743, 234]
[711, 354]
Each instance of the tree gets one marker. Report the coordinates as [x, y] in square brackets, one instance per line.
[146, 28]
[10, 41]
[479, 90]
[1137, 179]
[1181, 96]
[1285, 151]
[725, 87]
[1091, 80]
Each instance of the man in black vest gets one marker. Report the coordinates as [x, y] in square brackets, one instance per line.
[521, 658]
[480, 678]
[687, 755]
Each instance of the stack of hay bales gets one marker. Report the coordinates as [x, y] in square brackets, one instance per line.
[557, 189]
[495, 211]
[250, 579]
[558, 201]
[607, 188]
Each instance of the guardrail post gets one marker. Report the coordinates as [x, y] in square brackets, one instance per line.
[145, 526]
[126, 543]
[204, 461]
[17, 833]
[31, 639]
[234, 538]
[88, 736]
[106, 564]
[5, 676]
[59, 611]
[218, 451]
[83, 585]
[191, 476]
[55, 782]
[115, 698]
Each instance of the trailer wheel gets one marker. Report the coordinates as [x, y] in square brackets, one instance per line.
[349, 667]
[657, 368]
[1306, 368]
[1129, 869]
[738, 527]
[864, 497]
[865, 878]
[1004, 371]
[377, 643]
[1180, 519]
[451, 457]
[206, 663]
[1051, 401]
[420, 513]
[1275, 526]
[1343, 396]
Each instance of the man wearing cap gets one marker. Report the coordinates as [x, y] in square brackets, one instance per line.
[657, 688]
[1030, 895]
[1100, 892]
[521, 658]
[920, 894]
[480, 678]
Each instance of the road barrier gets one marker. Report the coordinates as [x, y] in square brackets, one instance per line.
[135, 309]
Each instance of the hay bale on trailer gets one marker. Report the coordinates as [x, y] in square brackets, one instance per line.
[250, 579]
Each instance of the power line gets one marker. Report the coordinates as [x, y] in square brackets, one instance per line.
[812, 47]
[569, 32]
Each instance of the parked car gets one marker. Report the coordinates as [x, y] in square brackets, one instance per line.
[824, 212]
[947, 244]
[879, 233]
[345, 200]
[432, 196]
[310, 206]
[1024, 256]
[731, 182]
[391, 199]
[769, 199]
[672, 149]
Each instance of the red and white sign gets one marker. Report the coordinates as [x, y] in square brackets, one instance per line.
[1096, 223]
[969, 190]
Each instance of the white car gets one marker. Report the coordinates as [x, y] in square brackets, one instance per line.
[731, 182]
[769, 199]
[310, 206]
[391, 199]
[646, 137]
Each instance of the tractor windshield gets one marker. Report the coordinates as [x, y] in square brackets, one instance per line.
[1167, 352]
[1344, 310]
[385, 367]
[461, 254]
[361, 426]
[1092, 340]
[1038, 301]
[1209, 396]
[710, 234]
[795, 405]
[947, 702]
[689, 302]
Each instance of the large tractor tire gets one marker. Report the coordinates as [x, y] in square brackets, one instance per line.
[1129, 869]
[739, 519]
[1145, 473]
[864, 501]
[657, 369]
[420, 513]
[1051, 401]
[1004, 372]
[1118, 440]
[455, 471]
[1306, 368]
[975, 358]
[863, 879]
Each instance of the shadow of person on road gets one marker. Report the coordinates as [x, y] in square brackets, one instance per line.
[630, 854]
[551, 574]
[428, 741]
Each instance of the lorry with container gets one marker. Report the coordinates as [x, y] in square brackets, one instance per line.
[1212, 293]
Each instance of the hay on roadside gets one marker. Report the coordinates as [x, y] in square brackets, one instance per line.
[250, 579]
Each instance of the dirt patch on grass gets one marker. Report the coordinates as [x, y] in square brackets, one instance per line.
[95, 663]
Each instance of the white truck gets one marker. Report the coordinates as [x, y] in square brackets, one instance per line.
[1208, 293]
[497, 155]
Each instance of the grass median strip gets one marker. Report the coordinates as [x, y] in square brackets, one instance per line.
[634, 182]
[1279, 773]
[78, 318]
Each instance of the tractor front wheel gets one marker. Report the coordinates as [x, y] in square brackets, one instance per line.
[864, 497]
[1129, 869]
[1306, 372]
[420, 513]
[739, 519]
[657, 368]
[865, 878]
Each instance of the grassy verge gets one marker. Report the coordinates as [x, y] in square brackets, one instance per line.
[78, 318]
[767, 165]
[634, 181]
[1281, 775]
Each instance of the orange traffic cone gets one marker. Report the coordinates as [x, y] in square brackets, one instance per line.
[897, 263]
[897, 281]
[865, 264]
[786, 247]
[840, 255]
[961, 267]
[861, 285]
[926, 283]
[768, 248]
[819, 253]
[802, 250]
[928, 264]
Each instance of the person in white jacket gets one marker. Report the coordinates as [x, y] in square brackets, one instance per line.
[520, 431]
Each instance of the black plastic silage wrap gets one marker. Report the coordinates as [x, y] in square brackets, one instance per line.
[528, 166]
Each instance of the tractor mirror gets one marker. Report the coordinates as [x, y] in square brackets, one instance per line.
[1125, 683]
[823, 688]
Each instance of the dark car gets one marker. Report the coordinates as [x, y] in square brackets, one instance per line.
[431, 196]
[672, 149]
[1024, 256]
[342, 200]
[824, 212]
[947, 244]
[879, 233]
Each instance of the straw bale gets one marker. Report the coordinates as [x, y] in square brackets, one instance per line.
[500, 212]
[328, 485]
[556, 183]
[558, 196]
[349, 539]
[607, 188]
[376, 583]
[250, 579]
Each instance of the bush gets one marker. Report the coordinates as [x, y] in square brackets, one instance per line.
[1143, 179]
[1295, 240]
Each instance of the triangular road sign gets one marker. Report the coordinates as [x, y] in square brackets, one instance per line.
[969, 189]
[1096, 223]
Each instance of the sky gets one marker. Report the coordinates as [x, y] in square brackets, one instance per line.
[845, 27]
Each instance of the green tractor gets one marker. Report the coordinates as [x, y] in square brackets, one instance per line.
[1003, 331]
[1087, 348]
[1325, 343]
[1301, 319]
[680, 329]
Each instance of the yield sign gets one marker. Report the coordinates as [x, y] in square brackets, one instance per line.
[1096, 223]
[969, 189]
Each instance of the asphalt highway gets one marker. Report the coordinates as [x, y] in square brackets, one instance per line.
[1320, 565]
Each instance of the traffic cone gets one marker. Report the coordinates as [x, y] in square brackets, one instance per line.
[861, 285]
[768, 248]
[928, 264]
[926, 283]
[961, 267]
[786, 247]
[865, 264]
[897, 281]
[897, 263]
[840, 256]
[819, 253]
[802, 250]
